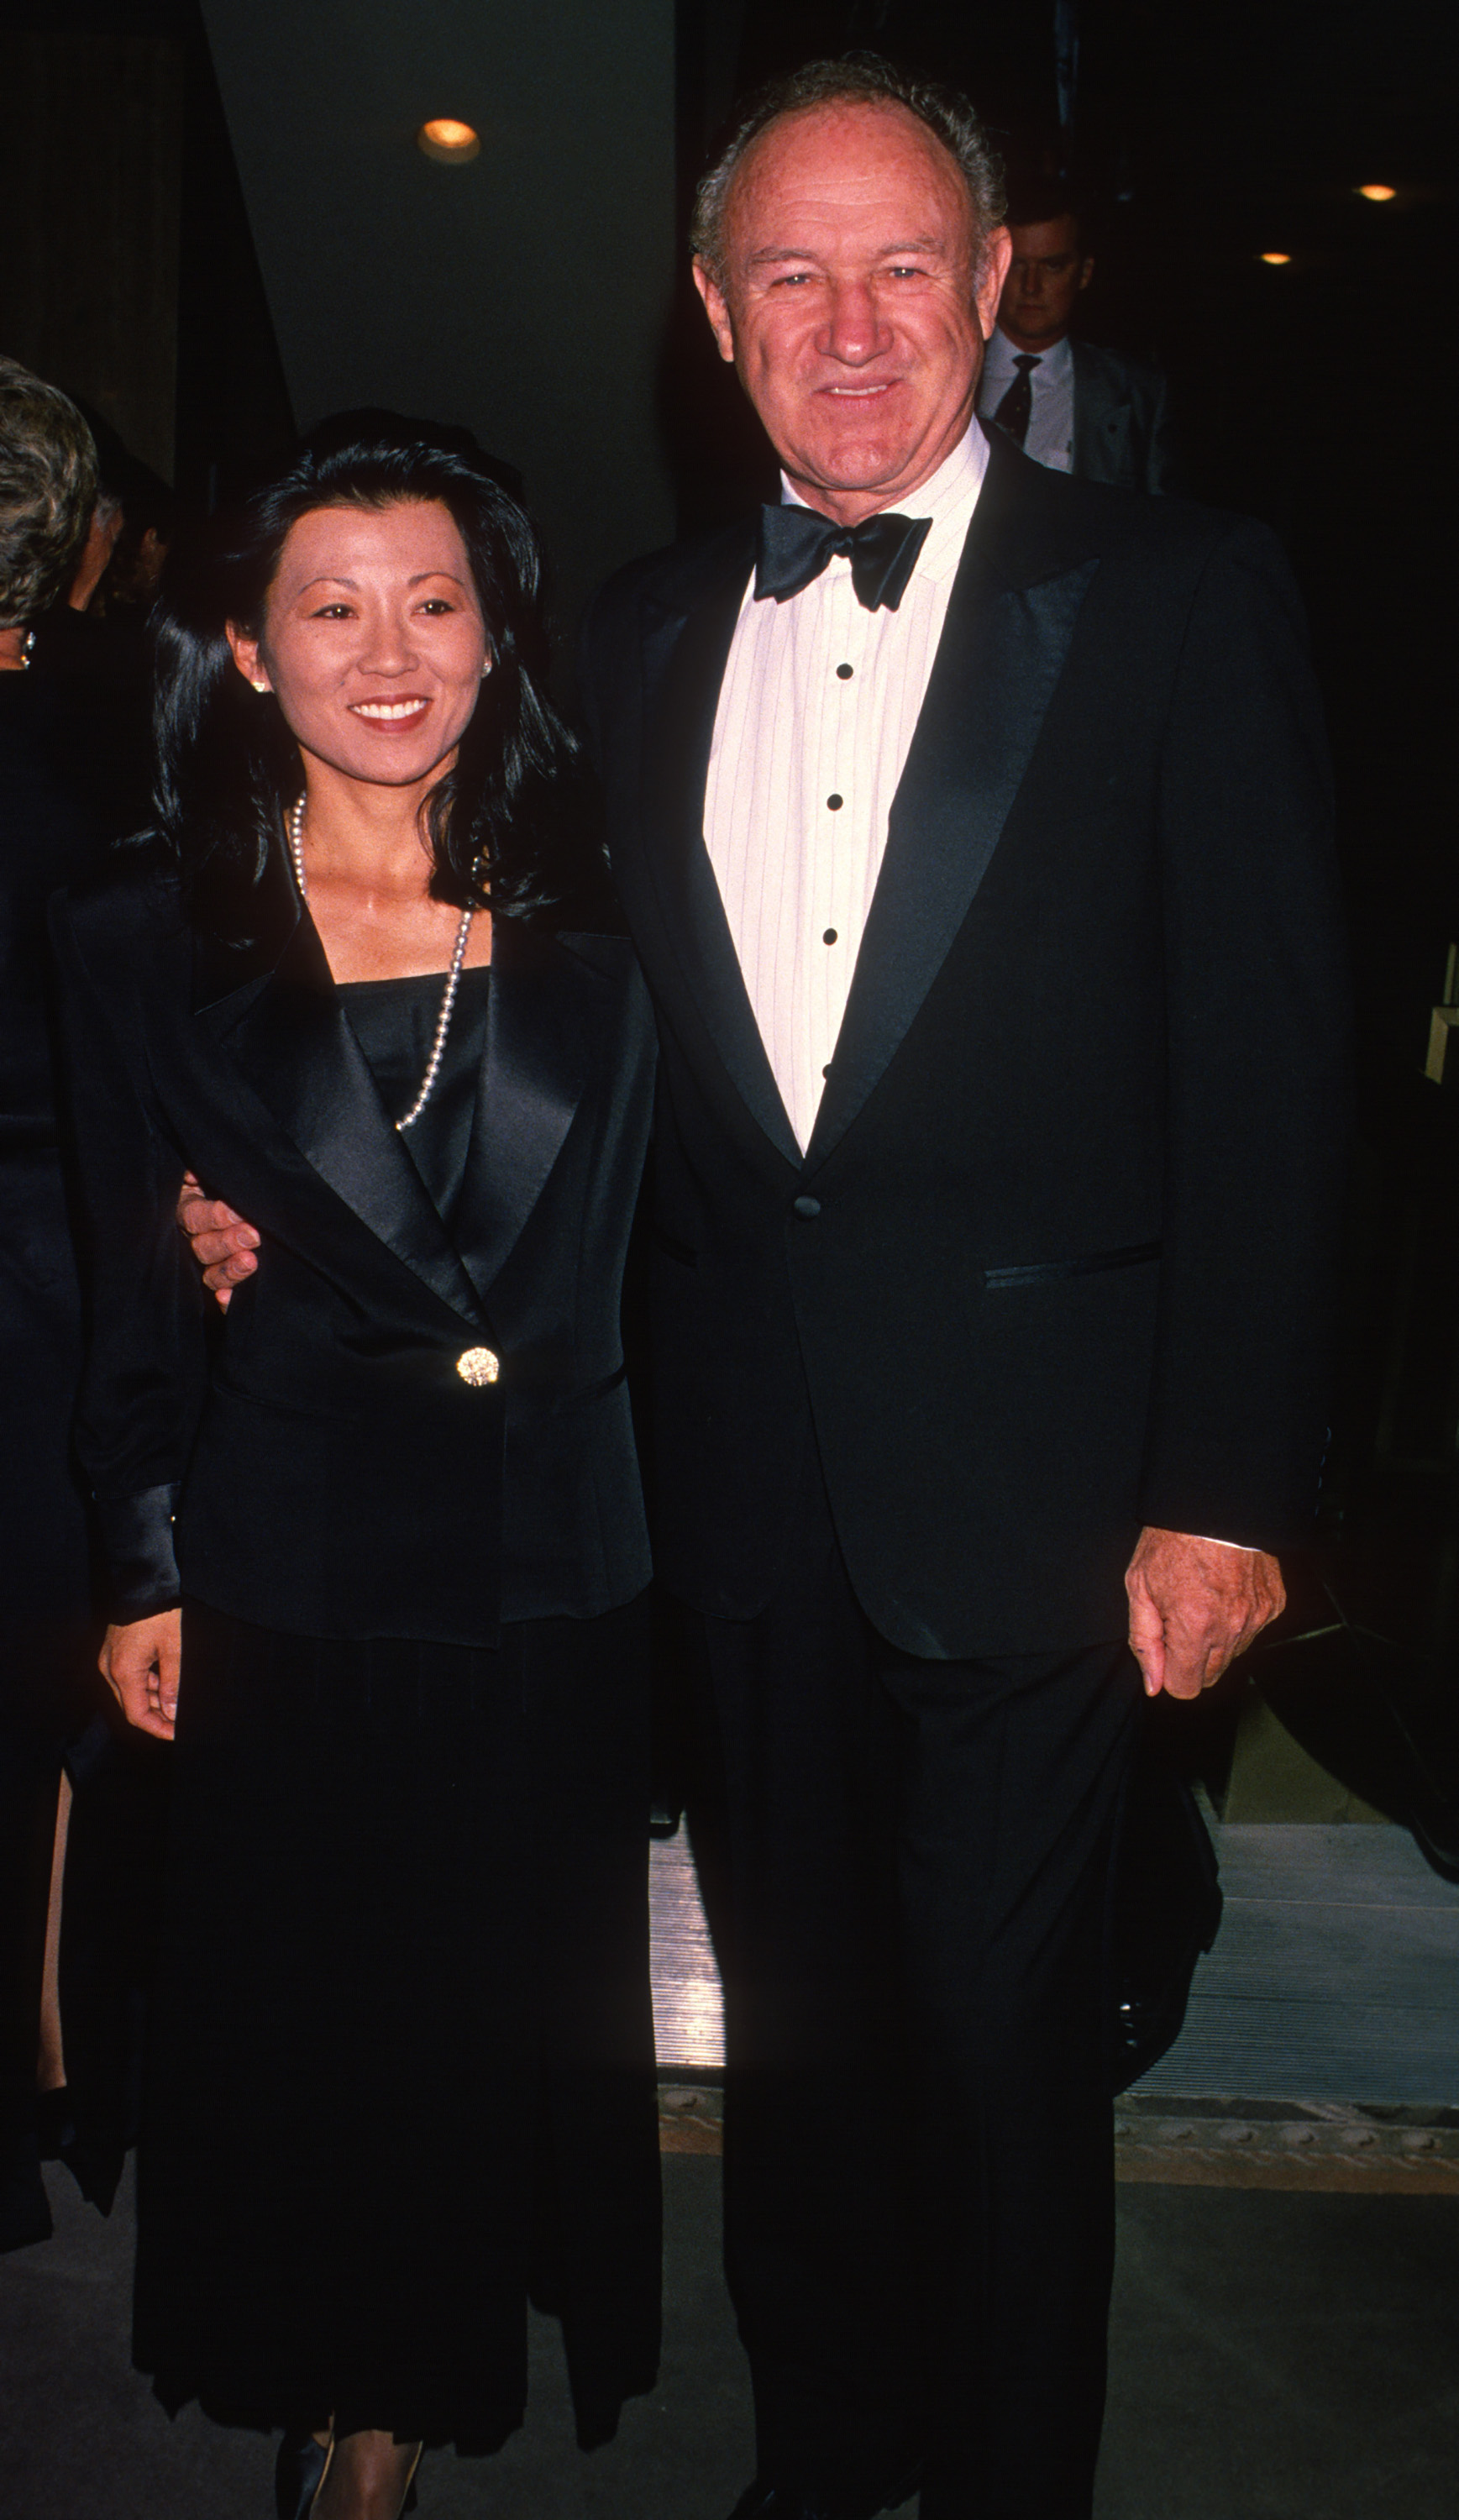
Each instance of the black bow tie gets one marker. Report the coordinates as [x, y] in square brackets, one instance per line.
[795, 544]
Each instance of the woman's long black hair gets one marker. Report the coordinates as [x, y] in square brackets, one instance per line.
[511, 827]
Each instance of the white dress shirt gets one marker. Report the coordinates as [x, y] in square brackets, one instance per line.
[816, 713]
[1050, 434]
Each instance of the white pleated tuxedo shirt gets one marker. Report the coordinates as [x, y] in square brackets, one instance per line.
[817, 712]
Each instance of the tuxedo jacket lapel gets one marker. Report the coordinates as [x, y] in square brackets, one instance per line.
[282, 1021]
[684, 657]
[1010, 620]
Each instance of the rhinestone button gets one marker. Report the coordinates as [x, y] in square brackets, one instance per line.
[479, 1364]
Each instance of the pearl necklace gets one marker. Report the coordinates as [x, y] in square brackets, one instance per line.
[453, 976]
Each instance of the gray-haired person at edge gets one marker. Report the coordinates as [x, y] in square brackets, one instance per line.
[55, 821]
[972, 824]
[376, 1558]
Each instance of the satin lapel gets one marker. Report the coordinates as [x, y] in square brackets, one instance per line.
[684, 657]
[544, 1021]
[999, 657]
[240, 932]
[293, 1041]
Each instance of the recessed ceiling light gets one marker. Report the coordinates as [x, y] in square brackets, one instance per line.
[1379, 192]
[1276, 257]
[450, 143]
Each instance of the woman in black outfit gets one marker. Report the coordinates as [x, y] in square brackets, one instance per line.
[58, 810]
[376, 1548]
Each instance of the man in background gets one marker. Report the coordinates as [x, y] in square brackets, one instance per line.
[1070, 404]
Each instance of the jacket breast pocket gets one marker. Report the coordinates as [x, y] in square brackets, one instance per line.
[1089, 1264]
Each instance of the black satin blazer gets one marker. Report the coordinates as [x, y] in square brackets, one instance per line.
[331, 1471]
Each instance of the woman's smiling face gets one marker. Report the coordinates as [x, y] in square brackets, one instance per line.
[372, 639]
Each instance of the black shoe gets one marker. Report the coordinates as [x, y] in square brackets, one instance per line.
[766, 2500]
[95, 2167]
[298, 2472]
[55, 2126]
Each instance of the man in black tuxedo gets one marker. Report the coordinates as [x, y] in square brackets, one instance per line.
[1072, 405]
[980, 871]
[972, 825]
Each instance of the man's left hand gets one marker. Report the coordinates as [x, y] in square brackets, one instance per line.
[1194, 1606]
[224, 1243]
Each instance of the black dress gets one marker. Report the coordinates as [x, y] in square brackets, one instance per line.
[402, 2058]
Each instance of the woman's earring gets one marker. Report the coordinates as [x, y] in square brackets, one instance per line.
[260, 686]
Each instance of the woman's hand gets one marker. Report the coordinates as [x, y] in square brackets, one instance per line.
[141, 1664]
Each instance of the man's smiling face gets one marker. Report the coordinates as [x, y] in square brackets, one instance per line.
[853, 302]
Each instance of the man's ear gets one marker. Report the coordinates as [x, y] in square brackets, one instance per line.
[1086, 271]
[246, 658]
[992, 271]
[712, 299]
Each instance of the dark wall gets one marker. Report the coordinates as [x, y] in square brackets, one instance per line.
[524, 293]
[233, 403]
[127, 271]
[91, 138]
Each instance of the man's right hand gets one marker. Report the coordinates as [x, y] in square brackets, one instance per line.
[223, 1243]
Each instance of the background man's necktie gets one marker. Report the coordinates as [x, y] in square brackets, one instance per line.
[795, 545]
[1016, 409]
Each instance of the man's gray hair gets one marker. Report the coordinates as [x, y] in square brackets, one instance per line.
[48, 489]
[861, 79]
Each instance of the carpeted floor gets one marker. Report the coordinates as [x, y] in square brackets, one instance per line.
[1274, 2357]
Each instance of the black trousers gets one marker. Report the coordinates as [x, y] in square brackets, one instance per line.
[907, 1863]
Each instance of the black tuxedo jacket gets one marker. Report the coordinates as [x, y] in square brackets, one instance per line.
[332, 1474]
[1057, 1261]
[1122, 428]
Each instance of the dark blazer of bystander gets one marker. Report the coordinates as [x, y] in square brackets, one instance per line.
[1121, 422]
